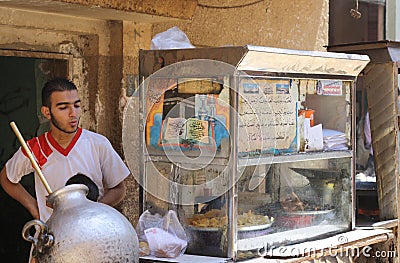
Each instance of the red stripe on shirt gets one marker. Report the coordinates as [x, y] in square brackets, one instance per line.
[39, 148]
[44, 145]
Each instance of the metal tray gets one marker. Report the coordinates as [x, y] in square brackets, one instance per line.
[240, 229]
[317, 212]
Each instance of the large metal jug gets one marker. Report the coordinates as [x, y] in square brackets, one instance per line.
[80, 230]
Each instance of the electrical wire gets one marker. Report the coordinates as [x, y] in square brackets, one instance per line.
[230, 7]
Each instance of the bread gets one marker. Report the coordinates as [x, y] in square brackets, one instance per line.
[144, 249]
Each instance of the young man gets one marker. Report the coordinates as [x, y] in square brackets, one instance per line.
[64, 151]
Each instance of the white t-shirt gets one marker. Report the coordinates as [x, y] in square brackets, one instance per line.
[88, 153]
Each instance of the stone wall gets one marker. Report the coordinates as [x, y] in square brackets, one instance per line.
[103, 53]
[301, 24]
[94, 50]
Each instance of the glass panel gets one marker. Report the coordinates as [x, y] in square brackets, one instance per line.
[187, 118]
[287, 116]
[292, 202]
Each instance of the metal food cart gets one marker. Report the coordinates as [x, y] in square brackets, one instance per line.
[253, 147]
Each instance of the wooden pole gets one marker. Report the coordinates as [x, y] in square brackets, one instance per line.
[30, 156]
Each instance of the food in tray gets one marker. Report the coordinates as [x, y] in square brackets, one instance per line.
[216, 218]
[212, 218]
[241, 255]
[310, 206]
[250, 219]
[144, 249]
[294, 204]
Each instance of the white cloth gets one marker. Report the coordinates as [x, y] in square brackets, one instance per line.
[367, 133]
[89, 153]
[334, 140]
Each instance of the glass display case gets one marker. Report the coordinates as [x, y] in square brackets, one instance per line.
[251, 146]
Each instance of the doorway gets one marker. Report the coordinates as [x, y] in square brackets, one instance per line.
[22, 75]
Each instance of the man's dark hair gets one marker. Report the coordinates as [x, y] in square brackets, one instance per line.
[79, 178]
[57, 84]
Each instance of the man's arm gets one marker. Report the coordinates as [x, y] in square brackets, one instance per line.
[114, 196]
[19, 193]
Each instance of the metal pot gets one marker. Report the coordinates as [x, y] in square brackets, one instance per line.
[80, 230]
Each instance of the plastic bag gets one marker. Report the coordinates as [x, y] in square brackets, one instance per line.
[163, 244]
[172, 38]
[164, 236]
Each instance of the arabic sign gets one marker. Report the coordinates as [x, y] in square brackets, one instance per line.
[267, 116]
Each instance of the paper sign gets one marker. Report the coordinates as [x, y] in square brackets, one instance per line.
[267, 116]
[175, 129]
[197, 130]
[330, 87]
[313, 137]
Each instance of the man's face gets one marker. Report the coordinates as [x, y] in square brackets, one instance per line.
[65, 110]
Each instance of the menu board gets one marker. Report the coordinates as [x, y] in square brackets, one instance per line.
[267, 115]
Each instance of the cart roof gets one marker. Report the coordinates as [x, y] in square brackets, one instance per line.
[263, 60]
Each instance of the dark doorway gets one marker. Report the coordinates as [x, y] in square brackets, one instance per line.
[345, 28]
[20, 101]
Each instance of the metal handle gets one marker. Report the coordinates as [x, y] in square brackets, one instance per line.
[42, 239]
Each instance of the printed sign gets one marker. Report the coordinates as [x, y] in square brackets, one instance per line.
[267, 118]
[175, 129]
[197, 130]
[329, 87]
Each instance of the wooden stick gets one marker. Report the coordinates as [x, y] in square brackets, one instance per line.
[30, 156]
